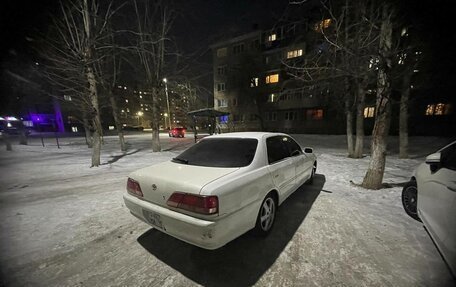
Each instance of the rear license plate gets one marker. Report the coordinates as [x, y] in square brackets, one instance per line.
[154, 219]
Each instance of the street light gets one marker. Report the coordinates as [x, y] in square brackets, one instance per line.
[167, 102]
[139, 114]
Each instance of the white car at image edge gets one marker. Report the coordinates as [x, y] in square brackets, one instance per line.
[221, 187]
[430, 197]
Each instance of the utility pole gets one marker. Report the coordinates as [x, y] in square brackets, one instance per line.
[167, 102]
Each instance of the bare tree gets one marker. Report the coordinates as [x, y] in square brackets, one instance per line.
[153, 21]
[344, 61]
[374, 175]
[71, 58]
[108, 70]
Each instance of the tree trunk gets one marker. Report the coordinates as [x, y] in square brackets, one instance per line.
[96, 124]
[115, 114]
[361, 96]
[403, 115]
[349, 122]
[374, 175]
[96, 149]
[156, 147]
[88, 134]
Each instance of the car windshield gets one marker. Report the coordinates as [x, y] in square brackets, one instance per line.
[220, 152]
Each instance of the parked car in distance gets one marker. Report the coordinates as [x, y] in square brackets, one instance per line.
[177, 132]
[221, 187]
[12, 126]
[132, 128]
[430, 197]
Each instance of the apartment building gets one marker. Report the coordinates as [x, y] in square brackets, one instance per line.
[252, 81]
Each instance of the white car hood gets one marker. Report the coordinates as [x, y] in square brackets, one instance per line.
[159, 181]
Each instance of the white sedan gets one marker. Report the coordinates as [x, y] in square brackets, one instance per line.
[221, 187]
[430, 197]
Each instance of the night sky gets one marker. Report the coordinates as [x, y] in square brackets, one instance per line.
[200, 23]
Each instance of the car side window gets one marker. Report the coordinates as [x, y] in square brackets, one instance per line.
[277, 149]
[293, 147]
[448, 157]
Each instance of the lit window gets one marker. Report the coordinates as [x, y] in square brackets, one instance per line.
[323, 24]
[126, 101]
[404, 32]
[223, 103]
[220, 87]
[294, 54]
[140, 97]
[430, 110]
[272, 98]
[272, 37]
[74, 129]
[254, 82]
[272, 78]
[67, 98]
[369, 112]
[222, 52]
[314, 114]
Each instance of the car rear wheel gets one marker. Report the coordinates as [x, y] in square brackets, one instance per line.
[410, 199]
[266, 215]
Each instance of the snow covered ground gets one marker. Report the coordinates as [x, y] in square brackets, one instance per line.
[65, 224]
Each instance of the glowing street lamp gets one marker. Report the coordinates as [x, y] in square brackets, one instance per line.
[139, 114]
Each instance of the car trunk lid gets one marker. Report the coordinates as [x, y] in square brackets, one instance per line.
[158, 182]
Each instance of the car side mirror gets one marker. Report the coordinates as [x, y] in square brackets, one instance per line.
[296, 152]
[308, 150]
[434, 161]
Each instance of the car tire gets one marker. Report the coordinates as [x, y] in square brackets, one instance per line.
[410, 199]
[312, 175]
[266, 216]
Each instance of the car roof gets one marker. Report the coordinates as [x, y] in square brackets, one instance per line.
[252, 135]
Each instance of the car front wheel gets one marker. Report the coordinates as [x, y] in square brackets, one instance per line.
[266, 216]
[410, 199]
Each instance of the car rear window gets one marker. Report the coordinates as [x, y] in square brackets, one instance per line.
[220, 152]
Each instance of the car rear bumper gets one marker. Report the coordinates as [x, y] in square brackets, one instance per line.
[202, 233]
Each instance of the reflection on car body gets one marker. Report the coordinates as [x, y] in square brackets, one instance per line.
[430, 197]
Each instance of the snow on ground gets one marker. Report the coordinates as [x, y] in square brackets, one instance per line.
[65, 224]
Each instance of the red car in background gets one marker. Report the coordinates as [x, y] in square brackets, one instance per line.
[177, 132]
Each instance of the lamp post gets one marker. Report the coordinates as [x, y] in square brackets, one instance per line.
[165, 115]
[139, 114]
[167, 101]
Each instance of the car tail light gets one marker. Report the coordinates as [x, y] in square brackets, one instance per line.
[195, 203]
[134, 188]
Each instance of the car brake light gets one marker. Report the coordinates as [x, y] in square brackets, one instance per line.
[134, 188]
[195, 203]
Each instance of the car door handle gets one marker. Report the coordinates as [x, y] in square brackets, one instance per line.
[276, 175]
